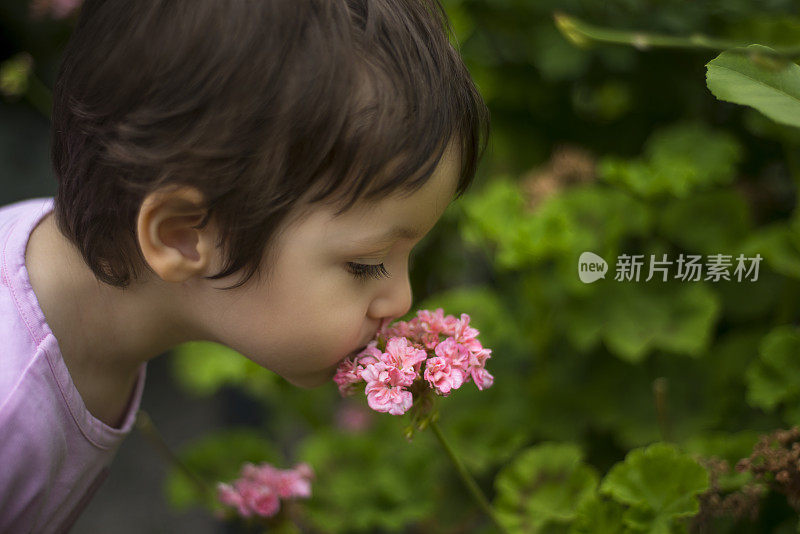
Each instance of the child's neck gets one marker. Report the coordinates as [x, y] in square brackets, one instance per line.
[104, 333]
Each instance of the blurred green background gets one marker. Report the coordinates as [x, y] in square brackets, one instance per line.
[611, 149]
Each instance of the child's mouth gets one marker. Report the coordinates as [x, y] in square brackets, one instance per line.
[357, 351]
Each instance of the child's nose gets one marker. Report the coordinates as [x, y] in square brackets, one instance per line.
[395, 301]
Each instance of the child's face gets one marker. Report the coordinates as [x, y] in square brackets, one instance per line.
[314, 312]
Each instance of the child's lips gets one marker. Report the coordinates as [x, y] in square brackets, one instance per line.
[360, 349]
[357, 351]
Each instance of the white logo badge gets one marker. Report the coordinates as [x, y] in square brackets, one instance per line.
[591, 267]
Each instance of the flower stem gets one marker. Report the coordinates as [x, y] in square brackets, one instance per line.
[467, 478]
[660, 395]
[581, 33]
[148, 429]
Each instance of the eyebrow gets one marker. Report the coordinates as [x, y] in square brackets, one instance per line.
[398, 232]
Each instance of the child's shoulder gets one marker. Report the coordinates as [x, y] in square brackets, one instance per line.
[21, 210]
[12, 209]
[21, 320]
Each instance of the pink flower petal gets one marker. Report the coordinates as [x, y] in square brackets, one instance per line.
[259, 488]
[393, 400]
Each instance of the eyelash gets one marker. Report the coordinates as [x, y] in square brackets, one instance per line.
[362, 271]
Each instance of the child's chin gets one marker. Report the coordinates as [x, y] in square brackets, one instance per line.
[312, 380]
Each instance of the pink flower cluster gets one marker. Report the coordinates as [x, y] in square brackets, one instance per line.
[447, 347]
[259, 488]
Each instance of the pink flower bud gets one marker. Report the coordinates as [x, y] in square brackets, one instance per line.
[259, 489]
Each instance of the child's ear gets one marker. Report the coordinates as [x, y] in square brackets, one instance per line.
[173, 248]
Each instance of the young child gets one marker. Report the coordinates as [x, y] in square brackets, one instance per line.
[252, 173]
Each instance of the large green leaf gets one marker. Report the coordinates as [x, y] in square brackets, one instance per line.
[599, 515]
[727, 446]
[779, 245]
[495, 219]
[588, 217]
[660, 484]
[708, 222]
[775, 376]
[591, 217]
[678, 160]
[481, 446]
[635, 318]
[371, 482]
[545, 484]
[770, 86]
[683, 325]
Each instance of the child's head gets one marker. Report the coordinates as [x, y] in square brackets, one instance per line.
[262, 123]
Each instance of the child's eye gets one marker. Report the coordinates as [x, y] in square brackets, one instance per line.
[362, 271]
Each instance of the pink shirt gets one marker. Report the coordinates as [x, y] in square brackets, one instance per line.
[54, 454]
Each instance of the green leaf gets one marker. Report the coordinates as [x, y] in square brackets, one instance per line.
[494, 219]
[775, 376]
[545, 484]
[484, 447]
[634, 319]
[742, 78]
[761, 126]
[659, 482]
[370, 482]
[707, 222]
[727, 446]
[779, 245]
[645, 520]
[589, 217]
[599, 515]
[678, 160]
[684, 324]
[592, 218]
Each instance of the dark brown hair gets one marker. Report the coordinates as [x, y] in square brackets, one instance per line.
[255, 103]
